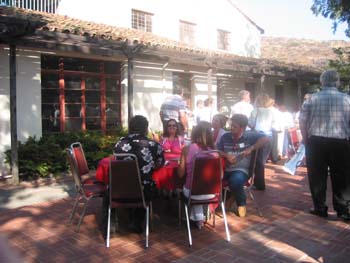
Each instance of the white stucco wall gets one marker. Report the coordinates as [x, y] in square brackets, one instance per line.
[209, 16]
[28, 98]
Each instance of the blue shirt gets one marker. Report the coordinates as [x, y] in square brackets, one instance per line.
[228, 145]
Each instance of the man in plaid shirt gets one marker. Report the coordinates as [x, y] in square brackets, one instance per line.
[325, 126]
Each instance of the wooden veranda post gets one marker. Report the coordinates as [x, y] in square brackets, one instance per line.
[13, 115]
[130, 87]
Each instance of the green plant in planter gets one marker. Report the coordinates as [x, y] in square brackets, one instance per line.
[46, 156]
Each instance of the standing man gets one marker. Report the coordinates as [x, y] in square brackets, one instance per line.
[174, 107]
[243, 106]
[325, 126]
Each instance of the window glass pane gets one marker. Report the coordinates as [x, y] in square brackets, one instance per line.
[73, 96]
[73, 110]
[112, 68]
[49, 81]
[50, 96]
[92, 96]
[92, 110]
[92, 83]
[49, 62]
[112, 123]
[72, 82]
[93, 123]
[78, 64]
[73, 124]
[112, 85]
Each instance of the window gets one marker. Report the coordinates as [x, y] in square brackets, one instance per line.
[223, 39]
[187, 32]
[79, 94]
[141, 20]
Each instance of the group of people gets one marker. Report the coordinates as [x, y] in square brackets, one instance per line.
[324, 122]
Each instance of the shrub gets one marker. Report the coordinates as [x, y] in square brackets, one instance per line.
[46, 156]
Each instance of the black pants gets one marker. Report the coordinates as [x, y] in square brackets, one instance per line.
[263, 154]
[323, 153]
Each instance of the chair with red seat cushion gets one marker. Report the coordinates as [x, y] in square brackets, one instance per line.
[206, 180]
[82, 165]
[249, 184]
[126, 189]
[85, 192]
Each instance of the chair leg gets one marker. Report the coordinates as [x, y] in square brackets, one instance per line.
[188, 226]
[255, 203]
[180, 203]
[108, 225]
[225, 221]
[74, 208]
[151, 216]
[83, 213]
[147, 225]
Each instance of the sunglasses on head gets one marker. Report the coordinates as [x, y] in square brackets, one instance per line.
[172, 125]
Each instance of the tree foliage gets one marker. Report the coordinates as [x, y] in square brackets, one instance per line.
[342, 65]
[336, 10]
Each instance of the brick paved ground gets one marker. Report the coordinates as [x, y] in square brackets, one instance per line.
[286, 233]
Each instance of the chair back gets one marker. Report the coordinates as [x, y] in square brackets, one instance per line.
[125, 180]
[251, 173]
[207, 173]
[79, 156]
[74, 171]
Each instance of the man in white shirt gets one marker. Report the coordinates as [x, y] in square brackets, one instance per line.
[243, 106]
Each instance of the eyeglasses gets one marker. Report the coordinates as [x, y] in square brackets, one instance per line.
[172, 126]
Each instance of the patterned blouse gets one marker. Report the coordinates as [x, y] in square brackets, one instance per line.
[149, 153]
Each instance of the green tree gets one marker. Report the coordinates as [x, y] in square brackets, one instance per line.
[342, 65]
[336, 10]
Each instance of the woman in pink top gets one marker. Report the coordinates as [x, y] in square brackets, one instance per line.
[171, 141]
[201, 140]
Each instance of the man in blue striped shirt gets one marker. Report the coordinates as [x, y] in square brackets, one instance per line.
[325, 126]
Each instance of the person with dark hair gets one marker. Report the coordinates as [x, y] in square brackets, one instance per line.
[174, 107]
[201, 140]
[172, 141]
[325, 127]
[236, 147]
[150, 156]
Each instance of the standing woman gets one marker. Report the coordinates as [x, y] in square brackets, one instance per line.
[201, 140]
[172, 141]
[218, 123]
[262, 119]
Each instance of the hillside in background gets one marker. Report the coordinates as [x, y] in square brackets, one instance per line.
[300, 51]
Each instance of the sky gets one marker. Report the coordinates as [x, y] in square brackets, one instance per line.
[290, 18]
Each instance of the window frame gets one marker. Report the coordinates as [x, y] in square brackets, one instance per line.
[223, 39]
[187, 32]
[141, 20]
[82, 76]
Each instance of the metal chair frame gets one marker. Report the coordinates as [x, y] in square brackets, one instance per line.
[129, 193]
[204, 178]
[85, 192]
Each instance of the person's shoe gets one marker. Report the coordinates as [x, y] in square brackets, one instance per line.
[319, 213]
[242, 211]
[345, 217]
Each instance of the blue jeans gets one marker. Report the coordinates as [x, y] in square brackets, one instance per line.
[236, 181]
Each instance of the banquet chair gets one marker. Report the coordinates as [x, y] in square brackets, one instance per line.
[207, 180]
[82, 165]
[126, 189]
[248, 186]
[85, 192]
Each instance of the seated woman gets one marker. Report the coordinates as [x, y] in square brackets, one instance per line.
[201, 140]
[171, 141]
[218, 123]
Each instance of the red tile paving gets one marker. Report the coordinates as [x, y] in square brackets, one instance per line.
[286, 233]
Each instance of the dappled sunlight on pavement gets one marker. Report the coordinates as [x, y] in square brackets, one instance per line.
[285, 233]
